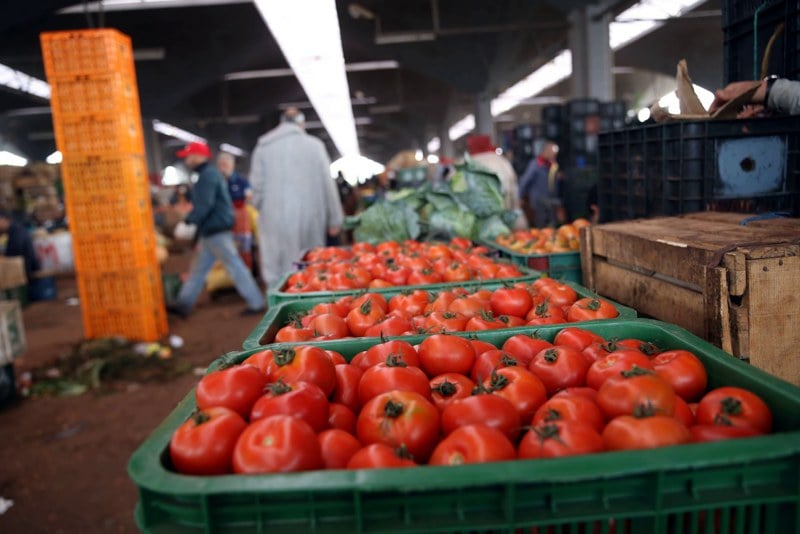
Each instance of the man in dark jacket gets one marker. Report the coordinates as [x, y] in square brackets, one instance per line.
[538, 189]
[212, 214]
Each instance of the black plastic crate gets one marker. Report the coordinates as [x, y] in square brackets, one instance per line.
[684, 167]
[614, 109]
[583, 106]
[552, 113]
[746, 32]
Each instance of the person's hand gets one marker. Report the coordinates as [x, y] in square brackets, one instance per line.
[722, 96]
[333, 231]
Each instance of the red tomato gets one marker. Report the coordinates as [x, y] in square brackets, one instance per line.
[400, 418]
[520, 387]
[638, 392]
[484, 321]
[473, 444]
[301, 400]
[293, 333]
[441, 322]
[490, 410]
[590, 309]
[423, 277]
[396, 275]
[236, 388]
[456, 272]
[303, 364]
[376, 300]
[329, 326]
[412, 303]
[441, 303]
[506, 270]
[646, 348]
[346, 391]
[364, 316]
[489, 361]
[570, 407]
[734, 407]
[480, 346]
[391, 326]
[336, 358]
[450, 387]
[706, 433]
[468, 306]
[341, 417]
[439, 354]
[683, 371]
[337, 447]
[558, 294]
[560, 438]
[683, 413]
[392, 376]
[559, 368]
[400, 350]
[380, 456]
[628, 432]
[614, 364]
[523, 347]
[511, 301]
[331, 307]
[585, 392]
[204, 443]
[600, 350]
[577, 338]
[277, 444]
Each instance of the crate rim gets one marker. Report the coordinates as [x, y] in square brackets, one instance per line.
[151, 475]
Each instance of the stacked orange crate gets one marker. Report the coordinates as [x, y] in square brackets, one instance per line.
[98, 129]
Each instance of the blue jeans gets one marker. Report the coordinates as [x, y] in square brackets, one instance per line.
[219, 247]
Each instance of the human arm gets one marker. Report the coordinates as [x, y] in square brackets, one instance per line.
[784, 95]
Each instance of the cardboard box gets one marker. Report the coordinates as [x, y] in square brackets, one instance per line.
[12, 272]
[738, 286]
[12, 331]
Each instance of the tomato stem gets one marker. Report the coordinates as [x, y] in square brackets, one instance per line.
[635, 371]
[731, 406]
[199, 417]
[551, 355]
[552, 415]
[644, 410]
[284, 357]
[508, 360]
[279, 388]
[497, 381]
[395, 360]
[393, 409]
[445, 389]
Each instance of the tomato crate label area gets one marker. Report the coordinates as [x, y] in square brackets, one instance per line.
[406, 311]
[633, 425]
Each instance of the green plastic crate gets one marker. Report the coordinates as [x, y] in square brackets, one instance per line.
[743, 486]
[558, 265]
[276, 297]
[280, 314]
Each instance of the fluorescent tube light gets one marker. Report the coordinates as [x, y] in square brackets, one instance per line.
[9, 158]
[20, 81]
[434, 144]
[54, 158]
[177, 133]
[233, 150]
[308, 34]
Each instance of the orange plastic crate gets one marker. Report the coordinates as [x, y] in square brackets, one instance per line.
[110, 213]
[101, 51]
[99, 93]
[141, 323]
[113, 251]
[98, 134]
[87, 179]
[125, 288]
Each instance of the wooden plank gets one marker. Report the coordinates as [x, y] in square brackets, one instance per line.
[736, 269]
[716, 314]
[655, 298]
[586, 257]
[773, 303]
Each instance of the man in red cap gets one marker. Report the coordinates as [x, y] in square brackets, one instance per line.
[212, 215]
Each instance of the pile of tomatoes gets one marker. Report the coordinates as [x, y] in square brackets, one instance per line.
[544, 240]
[452, 400]
[545, 301]
[389, 264]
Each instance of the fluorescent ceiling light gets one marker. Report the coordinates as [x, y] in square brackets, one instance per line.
[546, 76]
[20, 81]
[462, 127]
[54, 158]
[359, 121]
[278, 73]
[418, 155]
[434, 144]
[366, 100]
[433, 159]
[643, 114]
[356, 169]
[307, 32]
[132, 5]
[233, 150]
[171, 176]
[9, 158]
[177, 133]
[644, 17]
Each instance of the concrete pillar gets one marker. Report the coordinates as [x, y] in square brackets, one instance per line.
[483, 115]
[446, 145]
[592, 57]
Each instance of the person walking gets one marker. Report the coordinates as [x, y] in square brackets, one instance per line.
[212, 215]
[539, 190]
[296, 198]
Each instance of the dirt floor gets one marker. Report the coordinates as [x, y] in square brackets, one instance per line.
[63, 460]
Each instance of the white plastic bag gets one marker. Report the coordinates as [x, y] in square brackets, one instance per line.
[185, 231]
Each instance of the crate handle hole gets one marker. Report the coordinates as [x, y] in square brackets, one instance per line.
[748, 164]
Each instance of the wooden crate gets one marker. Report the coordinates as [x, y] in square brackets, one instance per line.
[737, 286]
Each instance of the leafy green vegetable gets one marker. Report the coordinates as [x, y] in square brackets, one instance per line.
[478, 190]
[488, 229]
[387, 221]
[449, 222]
